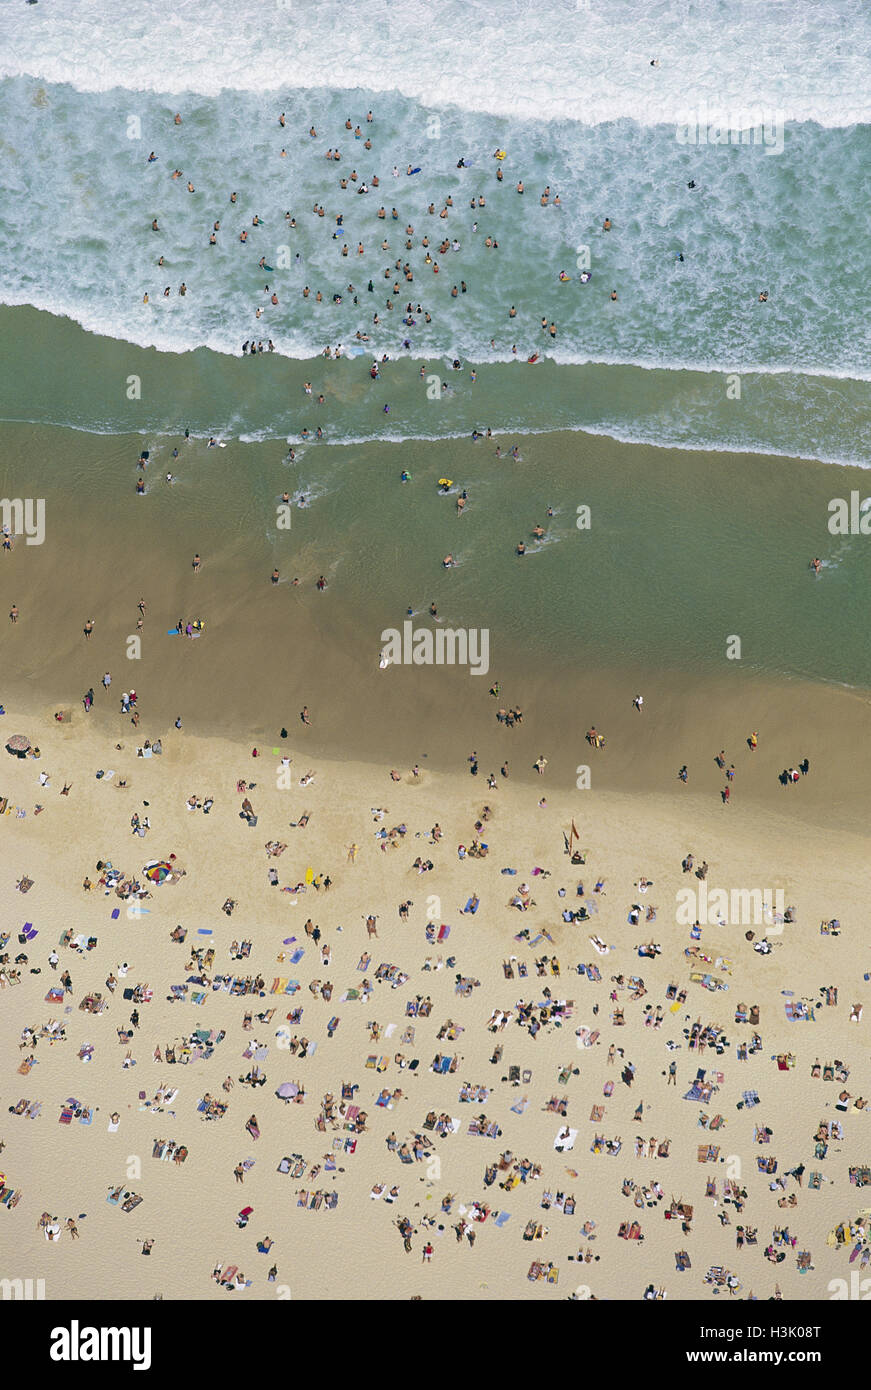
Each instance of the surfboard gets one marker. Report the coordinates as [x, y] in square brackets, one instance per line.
[173, 632]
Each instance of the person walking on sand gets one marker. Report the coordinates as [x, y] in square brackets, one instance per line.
[196, 564]
[303, 714]
[638, 702]
[107, 681]
[13, 613]
[88, 628]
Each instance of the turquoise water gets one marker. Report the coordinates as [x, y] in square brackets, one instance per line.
[733, 135]
[791, 222]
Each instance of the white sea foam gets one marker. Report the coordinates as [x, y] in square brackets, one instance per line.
[581, 60]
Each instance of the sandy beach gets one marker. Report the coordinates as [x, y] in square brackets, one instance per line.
[191, 1210]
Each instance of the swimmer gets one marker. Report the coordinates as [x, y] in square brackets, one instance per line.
[816, 564]
[275, 576]
[448, 562]
[520, 548]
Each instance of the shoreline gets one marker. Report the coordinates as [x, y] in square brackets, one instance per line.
[670, 406]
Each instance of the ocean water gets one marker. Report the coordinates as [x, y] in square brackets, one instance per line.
[569, 93]
[578, 60]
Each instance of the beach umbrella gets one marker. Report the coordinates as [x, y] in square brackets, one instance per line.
[18, 744]
[287, 1090]
[158, 871]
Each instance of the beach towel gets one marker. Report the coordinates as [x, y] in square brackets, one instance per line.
[797, 1011]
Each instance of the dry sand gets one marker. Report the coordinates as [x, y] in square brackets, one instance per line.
[355, 1250]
